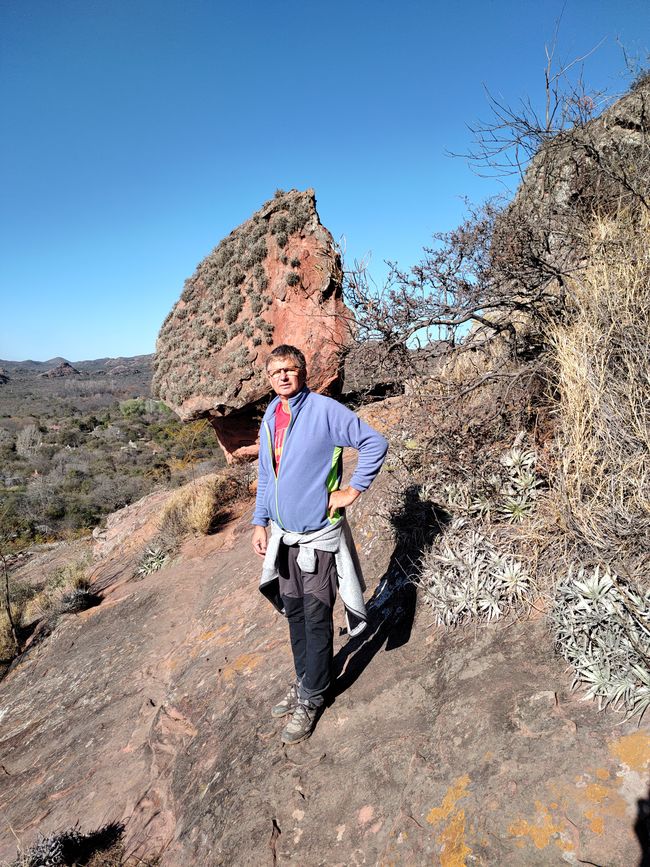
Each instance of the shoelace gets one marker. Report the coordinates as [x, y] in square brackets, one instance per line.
[303, 711]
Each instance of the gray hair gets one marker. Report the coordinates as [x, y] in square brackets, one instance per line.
[288, 351]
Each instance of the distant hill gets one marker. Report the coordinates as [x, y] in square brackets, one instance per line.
[33, 389]
[98, 365]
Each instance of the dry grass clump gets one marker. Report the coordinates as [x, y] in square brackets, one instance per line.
[195, 507]
[66, 590]
[8, 647]
[602, 356]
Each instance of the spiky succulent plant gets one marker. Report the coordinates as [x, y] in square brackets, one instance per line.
[465, 577]
[602, 628]
[70, 846]
[519, 489]
[509, 495]
[152, 560]
[50, 850]
[470, 572]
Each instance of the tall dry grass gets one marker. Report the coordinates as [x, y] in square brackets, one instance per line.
[602, 359]
[197, 506]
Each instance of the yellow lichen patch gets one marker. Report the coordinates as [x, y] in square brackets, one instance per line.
[454, 850]
[606, 798]
[244, 664]
[542, 831]
[596, 823]
[455, 792]
[596, 792]
[594, 804]
[632, 750]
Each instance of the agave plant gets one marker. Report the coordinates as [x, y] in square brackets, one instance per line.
[602, 628]
[509, 495]
[464, 577]
[152, 560]
[515, 509]
[457, 497]
[525, 483]
[513, 577]
[518, 459]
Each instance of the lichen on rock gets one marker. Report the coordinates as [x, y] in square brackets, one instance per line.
[275, 279]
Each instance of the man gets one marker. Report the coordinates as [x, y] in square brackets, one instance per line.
[310, 554]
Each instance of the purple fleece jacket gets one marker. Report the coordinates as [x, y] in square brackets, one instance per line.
[311, 465]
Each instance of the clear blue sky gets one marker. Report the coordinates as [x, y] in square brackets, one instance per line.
[137, 133]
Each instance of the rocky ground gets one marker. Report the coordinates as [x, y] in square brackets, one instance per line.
[463, 748]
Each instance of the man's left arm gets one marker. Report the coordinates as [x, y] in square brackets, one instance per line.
[347, 429]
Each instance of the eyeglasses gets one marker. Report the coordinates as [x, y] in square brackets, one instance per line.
[289, 371]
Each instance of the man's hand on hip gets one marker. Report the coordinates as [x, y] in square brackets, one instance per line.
[341, 499]
[259, 540]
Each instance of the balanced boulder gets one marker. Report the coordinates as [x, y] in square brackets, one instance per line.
[276, 279]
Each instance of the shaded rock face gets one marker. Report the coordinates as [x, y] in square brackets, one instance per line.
[276, 279]
[369, 374]
[63, 369]
[600, 168]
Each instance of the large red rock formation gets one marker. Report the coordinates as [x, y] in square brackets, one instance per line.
[276, 279]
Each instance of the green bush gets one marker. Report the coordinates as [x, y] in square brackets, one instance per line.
[133, 407]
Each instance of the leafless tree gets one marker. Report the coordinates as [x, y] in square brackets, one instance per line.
[502, 275]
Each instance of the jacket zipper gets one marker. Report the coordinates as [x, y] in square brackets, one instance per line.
[276, 472]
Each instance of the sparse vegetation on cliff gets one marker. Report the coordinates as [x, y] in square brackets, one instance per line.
[601, 353]
[198, 508]
[229, 285]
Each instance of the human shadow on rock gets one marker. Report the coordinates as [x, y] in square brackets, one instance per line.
[391, 608]
[642, 829]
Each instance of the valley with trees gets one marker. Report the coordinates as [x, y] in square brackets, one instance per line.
[77, 447]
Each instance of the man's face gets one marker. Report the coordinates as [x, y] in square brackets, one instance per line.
[285, 376]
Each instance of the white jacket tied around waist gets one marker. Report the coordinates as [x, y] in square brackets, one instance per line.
[336, 539]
